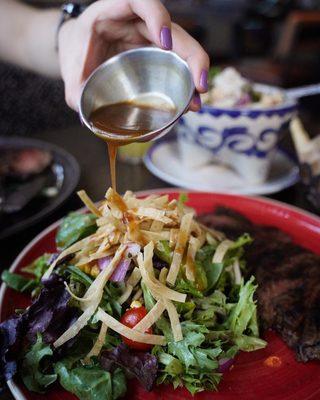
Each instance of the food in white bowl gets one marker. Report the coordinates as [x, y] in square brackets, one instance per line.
[228, 88]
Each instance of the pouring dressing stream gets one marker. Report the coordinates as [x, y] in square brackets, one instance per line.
[126, 122]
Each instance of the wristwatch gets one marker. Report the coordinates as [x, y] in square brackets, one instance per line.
[69, 10]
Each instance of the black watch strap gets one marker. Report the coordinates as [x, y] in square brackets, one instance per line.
[70, 10]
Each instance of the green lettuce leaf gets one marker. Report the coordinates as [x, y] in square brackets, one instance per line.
[38, 267]
[172, 365]
[189, 350]
[186, 309]
[242, 320]
[194, 381]
[237, 249]
[197, 382]
[244, 310]
[76, 275]
[119, 384]
[80, 281]
[18, 282]
[163, 251]
[190, 362]
[209, 308]
[162, 325]
[75, 227]
[212, 270]
[249, 343]
[216, 322]
[183, 198]
[216, 275]
[147, 297]
[90, 382]
[206, 253]
[185, 286]
[33, 367]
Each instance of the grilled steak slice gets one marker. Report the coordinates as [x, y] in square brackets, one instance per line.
[309, 344]
[24, 173]
[288, 277]
[21, 164]
[227, 221]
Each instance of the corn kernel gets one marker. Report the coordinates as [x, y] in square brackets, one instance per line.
[81, 267]
[95, 271]
[135, 304]
[86, 268]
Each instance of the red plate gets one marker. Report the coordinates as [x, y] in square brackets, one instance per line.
[251, 378]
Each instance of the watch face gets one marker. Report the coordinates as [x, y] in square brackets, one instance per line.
[73, 10]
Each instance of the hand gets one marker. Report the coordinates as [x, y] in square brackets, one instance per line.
[108, 27]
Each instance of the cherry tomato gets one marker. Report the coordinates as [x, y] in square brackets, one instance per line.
[130, 318]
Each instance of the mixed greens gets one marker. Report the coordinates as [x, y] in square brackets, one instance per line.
[139, 289]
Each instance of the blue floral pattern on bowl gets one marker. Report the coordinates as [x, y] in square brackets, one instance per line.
[237, 139]
[245, 139]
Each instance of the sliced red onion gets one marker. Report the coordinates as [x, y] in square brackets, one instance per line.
[104, 262]
[225, 364]
[120, 272]
[132, 250]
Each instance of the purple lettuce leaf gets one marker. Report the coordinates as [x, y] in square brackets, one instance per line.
[10, 338]
[158, 263]
[49, 314]
[143, 366]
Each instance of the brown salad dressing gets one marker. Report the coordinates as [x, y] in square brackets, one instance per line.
[126, 121]
[131, 222]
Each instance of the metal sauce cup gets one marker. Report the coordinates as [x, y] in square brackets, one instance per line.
[148, 76]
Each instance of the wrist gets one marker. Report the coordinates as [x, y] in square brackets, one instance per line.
[63, 32]
[40, 39]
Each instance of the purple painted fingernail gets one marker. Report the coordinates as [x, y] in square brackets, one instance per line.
[204, 79]
[196, 99]
[166, 38]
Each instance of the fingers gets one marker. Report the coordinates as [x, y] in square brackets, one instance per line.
[69, 65]
[192, 52]
[195, 104]
[151, 12]
[122, 24]
[188, 49]
[155, 26]
[157, 20]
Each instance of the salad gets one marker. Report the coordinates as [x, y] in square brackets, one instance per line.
[227, 88]
[139, 289]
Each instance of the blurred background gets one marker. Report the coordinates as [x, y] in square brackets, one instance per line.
[271, 41]
[276, 42]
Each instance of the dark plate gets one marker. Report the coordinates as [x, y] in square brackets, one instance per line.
[40, 206]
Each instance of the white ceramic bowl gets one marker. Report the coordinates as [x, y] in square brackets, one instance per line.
[243, 138]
